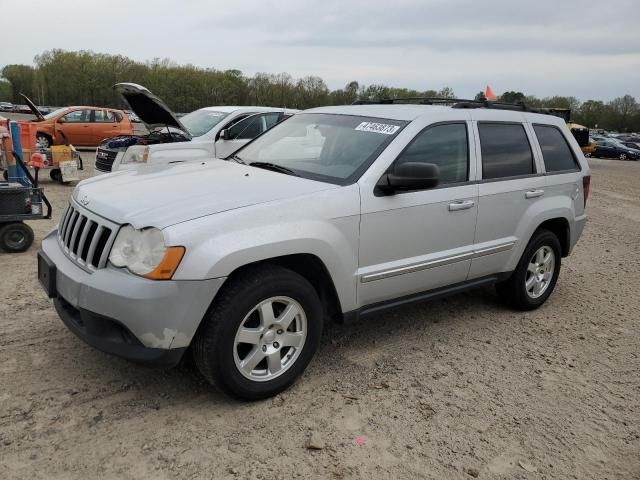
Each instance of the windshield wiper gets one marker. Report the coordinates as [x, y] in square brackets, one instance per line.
[236, 159]
[274, 167]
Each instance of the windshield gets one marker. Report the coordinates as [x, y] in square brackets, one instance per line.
[325, 147]
[55, 113]
[201, 121]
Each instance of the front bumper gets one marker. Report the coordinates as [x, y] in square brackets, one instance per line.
[117, 312]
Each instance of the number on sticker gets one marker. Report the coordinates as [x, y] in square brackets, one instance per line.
[384, 128]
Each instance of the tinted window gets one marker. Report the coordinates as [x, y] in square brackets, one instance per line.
[555, 151]
[444, 145]
[505, 150]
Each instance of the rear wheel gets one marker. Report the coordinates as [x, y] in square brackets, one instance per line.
[536, 275]
[260, 333]
[15, 237]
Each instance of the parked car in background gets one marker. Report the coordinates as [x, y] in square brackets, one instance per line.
[206, 133]
[243, 261]
[631, 145]
[6, 107]
[612, 148]
[84, 126]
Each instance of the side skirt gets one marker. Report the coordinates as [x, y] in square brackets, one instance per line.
[394, 303]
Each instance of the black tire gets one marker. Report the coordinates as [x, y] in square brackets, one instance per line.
[43, 141]
[213, 345]
[513, 291]
[5, 175]
[15, 237]
[55, 174]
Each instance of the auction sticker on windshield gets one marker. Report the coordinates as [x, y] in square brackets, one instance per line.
[378, 128]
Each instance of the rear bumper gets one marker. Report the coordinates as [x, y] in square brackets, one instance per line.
[120, 313]
[577, 230]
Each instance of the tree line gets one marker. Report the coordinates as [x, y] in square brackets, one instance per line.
[61, 78]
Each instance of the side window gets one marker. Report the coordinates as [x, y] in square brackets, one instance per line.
[445, 146]
[272, 118]
[104, 116]
[253, 126]
[78, 116]
[117, 116]
[505, 150]
[556, 152]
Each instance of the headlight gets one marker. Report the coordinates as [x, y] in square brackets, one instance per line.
[135, 154]
[144, 253]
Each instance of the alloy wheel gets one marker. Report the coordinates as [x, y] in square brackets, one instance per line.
[270, 338]
[540, 272]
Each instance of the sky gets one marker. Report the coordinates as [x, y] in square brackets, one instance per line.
[585, 48]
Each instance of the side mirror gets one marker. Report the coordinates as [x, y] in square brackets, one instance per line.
[224, 134]
[60, 120]
[409, 176]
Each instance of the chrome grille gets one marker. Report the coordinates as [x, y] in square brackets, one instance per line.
[105, 159]
[86, 238]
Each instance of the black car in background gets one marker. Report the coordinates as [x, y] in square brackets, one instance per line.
[609, 148]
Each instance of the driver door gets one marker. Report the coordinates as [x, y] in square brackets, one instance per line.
[75, 128]
[245, 130]
[416, 241]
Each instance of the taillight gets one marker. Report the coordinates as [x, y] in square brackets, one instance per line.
[586, 183]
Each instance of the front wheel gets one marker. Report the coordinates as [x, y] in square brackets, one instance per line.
[260, 332]
[536, 275]
[623, 156]
[42, 141]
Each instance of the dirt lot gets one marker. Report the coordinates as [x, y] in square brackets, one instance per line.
[455, 388]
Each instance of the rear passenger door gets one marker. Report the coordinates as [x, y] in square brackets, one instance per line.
[415, 241]
[511, 183]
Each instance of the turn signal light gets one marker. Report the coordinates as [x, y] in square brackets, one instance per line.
[169, 264]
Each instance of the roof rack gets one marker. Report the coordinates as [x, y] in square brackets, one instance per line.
[465, 103]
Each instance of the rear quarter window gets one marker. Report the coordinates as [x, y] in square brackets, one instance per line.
[556, 152]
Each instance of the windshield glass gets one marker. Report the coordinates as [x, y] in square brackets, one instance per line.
[325, 147]
[55, 113]
[201, 121]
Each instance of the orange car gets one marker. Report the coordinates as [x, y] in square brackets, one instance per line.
[79, 125]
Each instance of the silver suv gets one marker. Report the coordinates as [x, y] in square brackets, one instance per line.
[335, 213]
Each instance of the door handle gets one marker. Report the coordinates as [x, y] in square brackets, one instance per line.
[534, 193]
[461, 205]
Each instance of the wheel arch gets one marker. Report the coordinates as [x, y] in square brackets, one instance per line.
[313, 269]
[559, 226]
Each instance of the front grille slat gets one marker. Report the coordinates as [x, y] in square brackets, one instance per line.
[85, 237]
[72, 242]
[71, 224]
[94, 245]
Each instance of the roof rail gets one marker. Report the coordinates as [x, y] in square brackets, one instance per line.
[465, 103]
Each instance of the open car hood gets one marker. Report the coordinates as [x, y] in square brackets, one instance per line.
[32, 107]
[150, 109]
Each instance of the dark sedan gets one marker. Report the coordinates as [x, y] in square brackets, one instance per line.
[608, 148]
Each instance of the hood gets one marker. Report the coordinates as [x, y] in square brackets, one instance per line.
[32, 107]
[163, 195]
[150, 109]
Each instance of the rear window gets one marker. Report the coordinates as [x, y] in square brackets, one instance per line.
[505, 151]
[556, 152]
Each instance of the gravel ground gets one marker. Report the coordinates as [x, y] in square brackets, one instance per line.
[456, 388]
